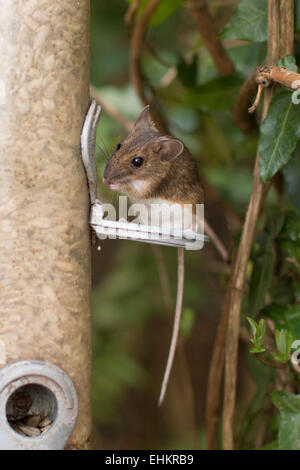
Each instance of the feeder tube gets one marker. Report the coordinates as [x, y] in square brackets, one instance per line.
[44, 234]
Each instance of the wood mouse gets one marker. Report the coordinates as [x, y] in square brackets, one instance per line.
[155, 170]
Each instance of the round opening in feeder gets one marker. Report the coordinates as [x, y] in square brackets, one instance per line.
[31, 410]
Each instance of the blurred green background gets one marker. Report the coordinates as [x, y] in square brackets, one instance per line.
[132, 324]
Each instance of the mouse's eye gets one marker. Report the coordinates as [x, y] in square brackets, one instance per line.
[137, 161]
[119, 146]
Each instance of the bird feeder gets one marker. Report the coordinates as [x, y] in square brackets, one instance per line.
[45, 277]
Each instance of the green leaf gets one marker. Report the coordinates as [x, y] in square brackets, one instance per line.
[289, 62]
[278, 134]
[258, 332]
[289, 419]
[165, 9]
[249, 21]
[279, 357]
[256, 350]
[289, 431]
[253, 325]
[284, 341]
[286, 401]
[281, 340]
[261, 330]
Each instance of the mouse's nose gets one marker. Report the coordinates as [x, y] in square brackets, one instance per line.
[106, 181]
[111, 176]
[111, 183]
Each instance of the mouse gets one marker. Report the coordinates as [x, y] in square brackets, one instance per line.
[158, 172]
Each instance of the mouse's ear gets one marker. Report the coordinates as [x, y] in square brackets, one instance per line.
[169, 148]
[144, 120]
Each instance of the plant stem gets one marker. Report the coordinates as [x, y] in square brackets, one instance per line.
[236, 288]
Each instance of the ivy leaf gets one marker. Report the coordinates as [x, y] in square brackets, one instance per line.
[249, 22]
[278, 134]
[289, 419]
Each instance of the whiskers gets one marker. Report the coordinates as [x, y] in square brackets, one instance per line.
[102, 156]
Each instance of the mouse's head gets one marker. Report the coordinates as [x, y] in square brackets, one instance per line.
[140, 163]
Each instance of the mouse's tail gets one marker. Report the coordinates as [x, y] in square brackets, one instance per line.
[176, 325]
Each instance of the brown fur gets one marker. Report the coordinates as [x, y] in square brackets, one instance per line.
[175, 180]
